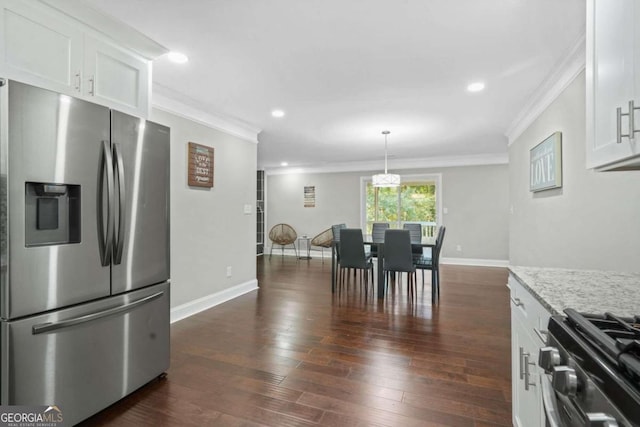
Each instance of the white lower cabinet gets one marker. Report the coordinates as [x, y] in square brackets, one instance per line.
[526, 398]
[528, 331]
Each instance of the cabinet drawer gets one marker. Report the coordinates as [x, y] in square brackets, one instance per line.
[526, 307]
[87, 357]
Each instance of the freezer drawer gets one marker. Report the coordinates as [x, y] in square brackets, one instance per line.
[87, 357]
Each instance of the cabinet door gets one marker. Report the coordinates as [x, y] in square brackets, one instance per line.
[612, 46]
[527, 408]
[53, 139]
[141, 149]
[38, 48]
[116, 78]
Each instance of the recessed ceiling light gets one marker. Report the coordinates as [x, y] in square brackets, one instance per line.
[475, 87]
[177, 57]
[284, 164]
[277, 113]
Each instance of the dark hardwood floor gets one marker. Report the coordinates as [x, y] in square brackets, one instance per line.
[293, 354]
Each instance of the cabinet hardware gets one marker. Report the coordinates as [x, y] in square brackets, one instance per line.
[78, 81]
[522, 354]
[92, 85]
[541, 334]
[527, 374]
[517, 302]
[631, 115]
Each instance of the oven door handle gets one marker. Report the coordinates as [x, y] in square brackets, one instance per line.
[549, 402]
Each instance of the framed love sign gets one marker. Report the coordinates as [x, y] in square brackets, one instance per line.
[200, 165]
[545, 164]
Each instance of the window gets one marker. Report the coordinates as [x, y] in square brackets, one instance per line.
[417, 199]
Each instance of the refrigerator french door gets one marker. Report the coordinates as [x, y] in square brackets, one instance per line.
[84, 225]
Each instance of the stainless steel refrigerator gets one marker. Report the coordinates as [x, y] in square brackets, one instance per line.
[84, 285]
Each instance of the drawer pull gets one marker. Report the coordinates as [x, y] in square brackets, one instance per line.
[541, 334]
[527, 374]
[49, 327]
[522, 355]
[517, 302]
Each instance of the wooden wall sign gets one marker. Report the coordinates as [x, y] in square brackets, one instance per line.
[200, 162]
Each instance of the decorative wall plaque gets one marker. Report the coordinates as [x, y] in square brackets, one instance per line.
[200, 161]
[310, 196]
[546, 164]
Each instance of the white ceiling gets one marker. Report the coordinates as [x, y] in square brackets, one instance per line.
[344, 70]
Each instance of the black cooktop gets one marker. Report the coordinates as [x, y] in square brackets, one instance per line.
[593, 342]
[617, 338]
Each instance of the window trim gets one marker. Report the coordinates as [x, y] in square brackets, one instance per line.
[433, 177]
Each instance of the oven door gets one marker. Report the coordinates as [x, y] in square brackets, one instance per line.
[559, 411]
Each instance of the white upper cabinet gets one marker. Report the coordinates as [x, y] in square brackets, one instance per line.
[40, 49]
[613, 83]
[113, 77]
[62, 46]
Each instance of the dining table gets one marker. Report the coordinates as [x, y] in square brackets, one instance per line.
[368, 240]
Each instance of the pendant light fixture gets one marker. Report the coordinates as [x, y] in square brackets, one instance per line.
[385, 179]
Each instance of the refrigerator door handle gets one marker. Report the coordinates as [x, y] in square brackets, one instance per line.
[106, 166]
[119, 243]
[48, 327]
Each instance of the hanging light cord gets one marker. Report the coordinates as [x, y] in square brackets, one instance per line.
[385, 133]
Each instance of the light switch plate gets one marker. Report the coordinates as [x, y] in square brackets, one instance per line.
[247, 209]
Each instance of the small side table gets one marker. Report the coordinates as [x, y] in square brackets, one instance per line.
[307, 242]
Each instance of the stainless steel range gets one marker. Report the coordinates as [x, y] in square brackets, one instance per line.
[592, 370]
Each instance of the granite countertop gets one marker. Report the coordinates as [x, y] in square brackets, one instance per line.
[589, 291]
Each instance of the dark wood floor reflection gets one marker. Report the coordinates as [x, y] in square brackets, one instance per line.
[293, 354]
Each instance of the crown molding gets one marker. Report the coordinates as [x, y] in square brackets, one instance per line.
[556, 82]
[164, 100]
[110, 27]
[397, 164]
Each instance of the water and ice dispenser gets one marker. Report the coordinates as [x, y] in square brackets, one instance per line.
[52, 214]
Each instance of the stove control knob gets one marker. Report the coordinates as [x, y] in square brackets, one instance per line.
[565, 380]
[600, 420]
[548, 358]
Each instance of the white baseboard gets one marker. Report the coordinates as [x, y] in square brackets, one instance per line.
[315, 253]
[476, 262]
[452, 261]
[196, 306]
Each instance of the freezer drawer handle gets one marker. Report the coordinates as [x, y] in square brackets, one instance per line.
[48, 327]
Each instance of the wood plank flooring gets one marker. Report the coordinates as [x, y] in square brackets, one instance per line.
[293, 354]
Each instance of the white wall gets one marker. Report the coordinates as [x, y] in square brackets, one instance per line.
[476, 198]
[593, 221]
[209, 230]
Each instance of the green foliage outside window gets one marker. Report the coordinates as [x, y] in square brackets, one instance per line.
[410, 202]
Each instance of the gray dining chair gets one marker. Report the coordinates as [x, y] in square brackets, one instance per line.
[398, 257]
[377, 235]
[432, 263]
[335, 230]
[415, 231]
[353, 256]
